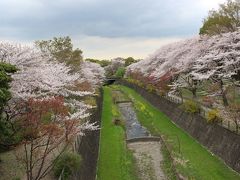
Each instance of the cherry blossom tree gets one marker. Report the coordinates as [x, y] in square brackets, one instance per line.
[47, 129]
[93, 73]
[198, 59]
[220, 63]
[179, 55]
[40, 75]
[113, 67]
[185, 81]
[46, 109]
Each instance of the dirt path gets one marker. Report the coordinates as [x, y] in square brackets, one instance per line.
[148, 158]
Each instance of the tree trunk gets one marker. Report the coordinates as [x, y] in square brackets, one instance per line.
[181, 96]
[194, 93]
[223, 93]
[237, 126]
[225, 101]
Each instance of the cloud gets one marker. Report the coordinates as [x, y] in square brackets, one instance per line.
[211, 4]
[106, 20]
[108, 48]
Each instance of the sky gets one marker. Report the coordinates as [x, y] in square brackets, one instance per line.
[105, 29]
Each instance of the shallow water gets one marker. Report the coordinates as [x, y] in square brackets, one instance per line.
[133, 127]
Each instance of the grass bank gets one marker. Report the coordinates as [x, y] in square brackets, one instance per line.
[193, 161]
[115, 160]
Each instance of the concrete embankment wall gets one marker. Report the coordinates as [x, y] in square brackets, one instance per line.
[88, 145]
[220, 141]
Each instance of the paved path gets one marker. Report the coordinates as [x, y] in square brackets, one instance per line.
[148, 157]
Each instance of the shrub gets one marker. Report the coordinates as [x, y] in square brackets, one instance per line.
[162, 93]
[207, 101]
[69, 162]
[190, 106]
[115, 112]
[140, 84]
[114, 98]
[16, 178]
[213, 116]
[129, 80]
[119, 122]
[120, 72]
[150, 88]
[90, 100]
[8, 137]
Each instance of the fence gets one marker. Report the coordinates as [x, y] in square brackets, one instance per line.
[227, 124]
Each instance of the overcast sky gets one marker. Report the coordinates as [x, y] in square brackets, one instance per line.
[105, 28]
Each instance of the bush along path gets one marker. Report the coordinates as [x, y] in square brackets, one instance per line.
[127, 150]
[192, 161]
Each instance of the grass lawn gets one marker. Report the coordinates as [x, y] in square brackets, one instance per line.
[115, 160]
[193, 161]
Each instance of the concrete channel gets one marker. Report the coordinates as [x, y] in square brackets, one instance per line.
[145, 147]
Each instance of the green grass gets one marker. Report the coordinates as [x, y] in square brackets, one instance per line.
[167, 164]
[118, 95]
[115, 162]
[195, 162]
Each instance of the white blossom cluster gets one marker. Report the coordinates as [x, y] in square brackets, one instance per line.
[203, 57]
[82, 109]
[40, 76]
[173, 56]
[87, 126]
[221, 60]
[115, 64]
[92, 72]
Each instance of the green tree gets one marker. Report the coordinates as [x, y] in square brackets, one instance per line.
[5, 79]
[6, 132]
[102, 63]
[120, 72]
[129, 61]
[225, 19]
[61, 48]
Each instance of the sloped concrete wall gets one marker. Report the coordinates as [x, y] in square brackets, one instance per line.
[88, 145]
[220, 141]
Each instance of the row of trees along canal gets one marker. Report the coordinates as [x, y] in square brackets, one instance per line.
[42, 105]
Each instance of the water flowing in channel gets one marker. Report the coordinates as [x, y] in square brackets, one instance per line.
[133, 127]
